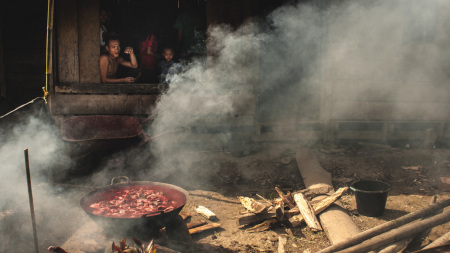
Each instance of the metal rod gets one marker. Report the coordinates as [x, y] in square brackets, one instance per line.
[30, 196]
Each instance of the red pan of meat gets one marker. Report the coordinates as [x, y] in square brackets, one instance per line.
[135, 204]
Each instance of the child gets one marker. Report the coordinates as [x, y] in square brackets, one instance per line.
[168, 66]
[148, 59]
[110, 61]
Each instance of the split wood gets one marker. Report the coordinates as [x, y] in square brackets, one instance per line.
[387, 226]
[281, 242]
[203, 228]
[307, 212]
[295, 221]
[252, 205]
[285, 198]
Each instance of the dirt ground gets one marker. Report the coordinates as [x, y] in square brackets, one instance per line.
[412, 173]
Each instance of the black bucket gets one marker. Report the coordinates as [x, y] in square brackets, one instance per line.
[370, 197]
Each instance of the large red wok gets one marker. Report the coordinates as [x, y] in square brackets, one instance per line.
[149, 222]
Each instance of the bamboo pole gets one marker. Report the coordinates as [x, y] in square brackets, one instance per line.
[30, 197]
[387, 226]
[400, 233]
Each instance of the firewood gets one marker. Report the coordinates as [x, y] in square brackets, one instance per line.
[284, 198]
[281, 242]
[279, 211]
[252, 205]
[251, 218]
[295, 221]
[265, 200]
[184, 216]
[311, 193]
[195, 224]
[203, 228]
[266, 225]
[206, 212]
[290, 197]
[307, 212]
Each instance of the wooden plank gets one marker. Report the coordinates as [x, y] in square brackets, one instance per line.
[67, 37]
[89, 41]
[96, 88]
[301, 136]
[102, 104]
[363, 110]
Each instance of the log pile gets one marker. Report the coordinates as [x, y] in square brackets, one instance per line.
[291, 209]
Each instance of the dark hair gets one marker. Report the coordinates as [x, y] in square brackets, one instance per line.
[168, 48]
[111, 37]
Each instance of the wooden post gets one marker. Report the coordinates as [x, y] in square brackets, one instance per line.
[2, 66]
[67, 32]
[89, 40]
[335, 221]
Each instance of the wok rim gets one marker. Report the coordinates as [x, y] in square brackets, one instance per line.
[87, 196]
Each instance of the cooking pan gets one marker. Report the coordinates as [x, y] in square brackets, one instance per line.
[150, 222]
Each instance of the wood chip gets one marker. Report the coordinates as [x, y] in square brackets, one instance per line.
[252, 205]
[206, 212]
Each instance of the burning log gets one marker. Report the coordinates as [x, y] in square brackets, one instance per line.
[206, 212]
[320, 206]
[285, 198]
[307, 212]
[203, 228]
[252, 205]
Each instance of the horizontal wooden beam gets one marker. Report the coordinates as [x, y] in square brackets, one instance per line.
[102, 104]
[363, 110]
[103, 88]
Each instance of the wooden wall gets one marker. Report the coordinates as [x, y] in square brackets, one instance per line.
[78, 42]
